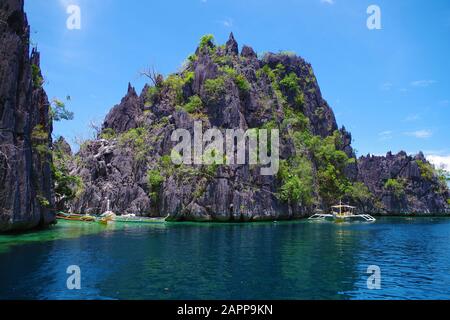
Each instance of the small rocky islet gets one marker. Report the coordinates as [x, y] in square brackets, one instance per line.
[129, 162]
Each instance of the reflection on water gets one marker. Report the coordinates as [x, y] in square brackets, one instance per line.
[296, 260]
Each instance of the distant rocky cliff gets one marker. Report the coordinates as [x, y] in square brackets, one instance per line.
[26, 185]
[403, 184]
[129, 163]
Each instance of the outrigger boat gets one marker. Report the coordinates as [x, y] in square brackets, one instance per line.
[75, 217]
[107, 217]
[132, 218]
[342, 213]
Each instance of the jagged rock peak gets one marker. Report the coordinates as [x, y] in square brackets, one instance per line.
[248, 52]
[124, 116]
[35, 57]
[231, 46]
[131, 90]
[420, 156]
[62, 145]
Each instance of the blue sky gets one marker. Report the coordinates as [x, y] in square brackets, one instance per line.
[389, 87]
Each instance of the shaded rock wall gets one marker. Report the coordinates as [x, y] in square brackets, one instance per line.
[418, 193]
[25, 174]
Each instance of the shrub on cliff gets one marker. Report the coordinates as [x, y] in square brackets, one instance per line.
[36, 76]
[296, 176]
[136, 139]
[154, 180]
[194, 105]
[426, 170]
[214, 88]
[240, 81]
[358, 192]
[331, 164]
[395, 186]
[175, 83]
[39, 140]
[67, 186]
[108, 134]
[206, 41]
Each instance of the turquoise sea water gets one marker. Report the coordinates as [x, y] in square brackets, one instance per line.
[285, 260]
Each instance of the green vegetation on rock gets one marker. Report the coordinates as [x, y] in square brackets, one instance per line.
[395, 186]
[426, 170]
[152, 94]
[36, 76]
[108, 134]
[155, 181]
[206, 40]
[39, 140]
[290, 84]
[296, 176]
[43, 201]
[214, 88]
[239, 79]
[67, 186]
[136, 139]
[194, 105]
[331, 163]
[358, 192]
[175, 83]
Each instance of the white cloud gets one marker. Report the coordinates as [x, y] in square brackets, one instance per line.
[385, 135]
[228, 23]
[327, 1]
[412, 117]
[440, 162]
[422, 83]
[420, 134]
[387, 86]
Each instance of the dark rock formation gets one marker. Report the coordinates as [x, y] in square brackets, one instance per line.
[231, 47]
[123, 117]
[129, 163]
[25, 128]
[420, 192]
[63, 146]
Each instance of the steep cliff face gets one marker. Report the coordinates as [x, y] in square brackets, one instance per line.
[130, 164]
[403, 184]
[25, 127]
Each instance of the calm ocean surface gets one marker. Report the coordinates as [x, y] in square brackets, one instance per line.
[285, 260]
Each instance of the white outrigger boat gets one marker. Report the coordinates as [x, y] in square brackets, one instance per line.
[342, 213]
[132, 218]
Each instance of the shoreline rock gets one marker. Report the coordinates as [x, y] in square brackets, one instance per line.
[26, 187]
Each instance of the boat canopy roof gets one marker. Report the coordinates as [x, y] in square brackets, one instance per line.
[344, 206]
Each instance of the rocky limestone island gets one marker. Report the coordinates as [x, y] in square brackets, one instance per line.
[26, 186]
[130, 161]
